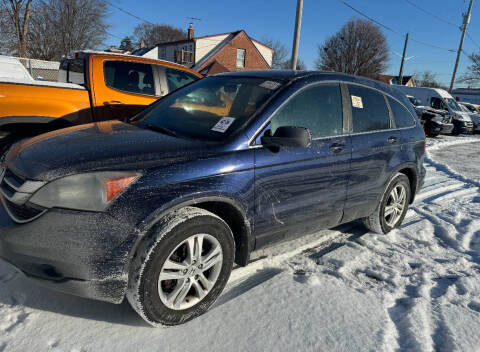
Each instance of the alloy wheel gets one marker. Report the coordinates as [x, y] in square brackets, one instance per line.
[395, 205]
[190, 272]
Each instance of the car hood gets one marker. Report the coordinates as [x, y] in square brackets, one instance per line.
[110, 145]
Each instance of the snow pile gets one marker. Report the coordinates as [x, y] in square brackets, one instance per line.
[417, 288]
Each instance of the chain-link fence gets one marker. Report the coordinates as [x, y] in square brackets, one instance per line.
[40, 69]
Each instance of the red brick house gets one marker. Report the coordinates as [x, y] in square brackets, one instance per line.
[233, 51]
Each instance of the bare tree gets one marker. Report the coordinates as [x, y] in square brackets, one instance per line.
[472, 76]
[427, 79]
[16, 14]
[61, 26]
[280, 54]
[153, 34]
[359, 48]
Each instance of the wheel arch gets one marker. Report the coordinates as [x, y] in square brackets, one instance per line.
[226, 208]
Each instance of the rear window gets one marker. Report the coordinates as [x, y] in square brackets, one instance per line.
[369, 110]
[402, 116]
[178, 78]
[72, 71]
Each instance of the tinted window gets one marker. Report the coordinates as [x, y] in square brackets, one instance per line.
[402, 116]
[318, 108]
[129, 77]
[369, 110]
[177, 78]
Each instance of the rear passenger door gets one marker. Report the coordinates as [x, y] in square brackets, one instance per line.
[298, 190]
[375, 149]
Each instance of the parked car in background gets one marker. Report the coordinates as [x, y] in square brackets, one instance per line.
[440, 99]
[474, 115]
[12, 69]
[434, 121]
[93, 86]
[474, 108]
[160, 212]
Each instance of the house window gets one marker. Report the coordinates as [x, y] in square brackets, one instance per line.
[240, 58]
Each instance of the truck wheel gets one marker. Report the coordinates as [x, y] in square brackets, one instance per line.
[181, 269]
[392, 208]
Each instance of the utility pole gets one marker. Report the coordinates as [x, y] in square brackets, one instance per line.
[466, 21]
[296, 34]
[400, 75]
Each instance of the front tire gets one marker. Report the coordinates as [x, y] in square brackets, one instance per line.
[392, 208]
[181, 269]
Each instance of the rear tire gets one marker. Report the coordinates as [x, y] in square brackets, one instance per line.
[181, 269]
[392, 208]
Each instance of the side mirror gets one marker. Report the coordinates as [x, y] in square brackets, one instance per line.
[288, 136]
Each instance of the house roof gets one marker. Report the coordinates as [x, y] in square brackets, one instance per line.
[208, 36]
[388, 79]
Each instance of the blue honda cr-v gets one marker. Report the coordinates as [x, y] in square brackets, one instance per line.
[159, 209]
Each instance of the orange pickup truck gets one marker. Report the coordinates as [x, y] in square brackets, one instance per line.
[92, 86]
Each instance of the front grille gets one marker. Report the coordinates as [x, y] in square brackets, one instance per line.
[15, 191]
[22, 213]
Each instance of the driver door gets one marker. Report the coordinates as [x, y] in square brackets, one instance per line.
[299, 190]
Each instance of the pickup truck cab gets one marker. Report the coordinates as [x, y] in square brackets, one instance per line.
[92, 87]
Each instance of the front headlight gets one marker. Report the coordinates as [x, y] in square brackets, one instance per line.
[91, 191]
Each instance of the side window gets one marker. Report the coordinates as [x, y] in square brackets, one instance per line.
[437, 103]
[317, 108]
[178, 78]
[129, 77]
[369, 109]
[402, 116]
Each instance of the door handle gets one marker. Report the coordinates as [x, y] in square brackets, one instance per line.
[392, 139]
[113, 102]
[336, 147]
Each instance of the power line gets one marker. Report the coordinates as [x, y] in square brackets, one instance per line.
[128, 12]
[392, 30]
[113, 35]
[473, 41]
[431, 14]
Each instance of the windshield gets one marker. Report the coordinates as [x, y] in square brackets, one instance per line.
[452, 104]
[210, 109]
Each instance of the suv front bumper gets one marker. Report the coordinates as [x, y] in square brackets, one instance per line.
[80, 253]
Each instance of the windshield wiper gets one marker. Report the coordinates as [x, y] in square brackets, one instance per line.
[161, 129]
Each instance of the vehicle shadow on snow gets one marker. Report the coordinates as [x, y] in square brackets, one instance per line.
[348, 232]
[19, 290]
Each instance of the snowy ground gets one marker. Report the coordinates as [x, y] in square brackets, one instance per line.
[417, 288]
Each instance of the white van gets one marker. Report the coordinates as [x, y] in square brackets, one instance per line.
[12, 69]
[441, 100]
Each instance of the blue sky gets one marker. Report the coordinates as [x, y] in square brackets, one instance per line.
[321, 18]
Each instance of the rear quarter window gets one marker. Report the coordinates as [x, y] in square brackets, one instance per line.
[72, 71]
[369, 109]
[402, 116]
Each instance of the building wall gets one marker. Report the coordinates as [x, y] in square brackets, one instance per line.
[168, 52]
[227, 56]
[266, 52]
[152, 54]
[204, 45]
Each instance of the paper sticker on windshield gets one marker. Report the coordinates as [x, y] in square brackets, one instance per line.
[223, 124]
[357, 102]
[270, 85]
